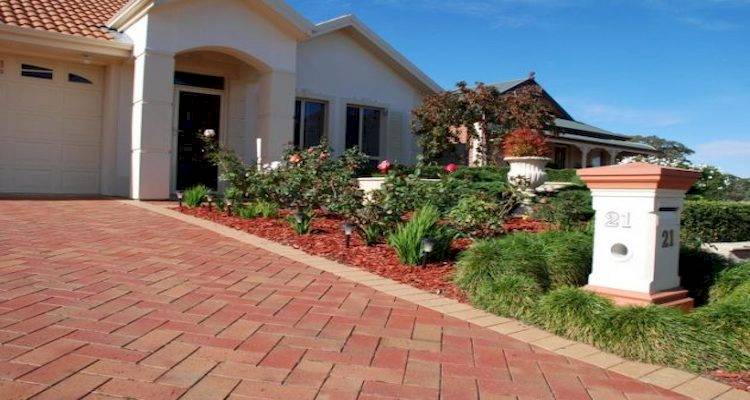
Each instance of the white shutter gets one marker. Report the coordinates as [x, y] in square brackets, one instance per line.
[395, 137]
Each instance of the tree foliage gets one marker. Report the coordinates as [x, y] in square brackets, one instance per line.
[444, 119]
[670, 149]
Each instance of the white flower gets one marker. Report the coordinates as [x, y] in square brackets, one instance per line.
[209, 133]
[272, 166]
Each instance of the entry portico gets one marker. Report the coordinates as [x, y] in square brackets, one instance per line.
[254, 40]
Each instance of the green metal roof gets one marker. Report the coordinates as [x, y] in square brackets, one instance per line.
[503, 87]
[580, 126]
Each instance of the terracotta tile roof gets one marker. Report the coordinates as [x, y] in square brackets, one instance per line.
[74, 17]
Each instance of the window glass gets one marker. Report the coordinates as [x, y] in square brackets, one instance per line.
[314, 125]
[352, 127]
[78, 79]
[371, 132]
[297, 121]
[198, 80]
[33, 71]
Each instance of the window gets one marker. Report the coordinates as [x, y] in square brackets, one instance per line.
[363, 129]
[198, 80]
[309, 123]
[561, 156]
[33, 71]
[78, 79]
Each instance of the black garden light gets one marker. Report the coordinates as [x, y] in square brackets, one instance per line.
[228, 203]
[209, 199]
[428, 246]
[179, 198]
[348, 228]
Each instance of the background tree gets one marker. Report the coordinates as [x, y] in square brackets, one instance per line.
[446, 119]
[670, 149]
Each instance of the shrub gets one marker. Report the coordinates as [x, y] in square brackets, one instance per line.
[257, 209]
[407, 240]
[510, 295]
[573, 312]
[567, 209]
[476, 216]
[730, 279]
[568, 257]
[301, 222]
[715, 221]
[524, 142]
[699, 270]
[729, 317]
[564, 175]
[195, 196]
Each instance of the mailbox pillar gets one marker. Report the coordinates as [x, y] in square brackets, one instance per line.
[637, 233]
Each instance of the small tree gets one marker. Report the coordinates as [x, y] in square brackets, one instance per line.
[479, 113]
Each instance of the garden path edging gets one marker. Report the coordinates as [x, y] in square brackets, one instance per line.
[685, 383]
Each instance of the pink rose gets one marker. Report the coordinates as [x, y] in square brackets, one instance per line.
[451, 168]
[323, 156]
[384, 166]
[295, 159]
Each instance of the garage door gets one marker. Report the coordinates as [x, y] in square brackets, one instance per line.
[50, 126]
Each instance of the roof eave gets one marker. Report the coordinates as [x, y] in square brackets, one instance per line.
[352, 22]
[30, 36]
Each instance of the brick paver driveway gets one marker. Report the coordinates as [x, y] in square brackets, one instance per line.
[99, 299]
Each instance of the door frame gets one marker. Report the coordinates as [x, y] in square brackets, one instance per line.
[176, 123]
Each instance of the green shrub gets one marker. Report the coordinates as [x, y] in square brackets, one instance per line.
[563, 175]
[715, 221]
[567, 209]
[476, 216]
[699, 270]
[729, 279]
[195, 196]
[511, 295]
[257, 209]
[301, 222]
[568, 257]
[729, 318]
[573, 313]
[407, 240]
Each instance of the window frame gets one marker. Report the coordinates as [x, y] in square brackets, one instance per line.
[361, 128]
[299, 131]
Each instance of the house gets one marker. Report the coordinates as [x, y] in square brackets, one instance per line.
[110, 96]
[576, 144]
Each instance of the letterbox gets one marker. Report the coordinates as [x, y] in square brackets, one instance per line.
[637, 232]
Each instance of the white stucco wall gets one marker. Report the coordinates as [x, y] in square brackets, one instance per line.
[339, 70]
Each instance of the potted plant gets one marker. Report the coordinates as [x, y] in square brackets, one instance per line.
[527, 151]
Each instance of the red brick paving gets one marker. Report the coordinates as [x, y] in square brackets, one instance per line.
[103, 300]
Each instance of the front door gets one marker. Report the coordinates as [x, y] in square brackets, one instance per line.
[197, 112]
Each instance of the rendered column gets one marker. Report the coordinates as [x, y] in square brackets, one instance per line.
[637, 232]
[153, 93]
[276, 112]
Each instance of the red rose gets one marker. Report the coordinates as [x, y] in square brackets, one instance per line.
[451, 168]
[384, 166]
[295, 159]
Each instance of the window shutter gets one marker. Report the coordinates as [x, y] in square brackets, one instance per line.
[394, 137]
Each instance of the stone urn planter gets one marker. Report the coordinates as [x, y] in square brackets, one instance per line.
[527, 171]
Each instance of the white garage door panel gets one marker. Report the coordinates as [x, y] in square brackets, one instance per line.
[50, 130]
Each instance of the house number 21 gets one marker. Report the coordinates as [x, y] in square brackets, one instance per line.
[667, 238]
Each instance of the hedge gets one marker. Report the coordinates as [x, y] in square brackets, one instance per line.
[514, 276]
[715, 221]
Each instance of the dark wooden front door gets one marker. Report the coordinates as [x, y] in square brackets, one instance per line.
[198, 112]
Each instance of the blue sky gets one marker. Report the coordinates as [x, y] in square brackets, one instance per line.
[679, 69]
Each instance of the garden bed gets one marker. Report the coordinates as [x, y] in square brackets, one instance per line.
[327, 240]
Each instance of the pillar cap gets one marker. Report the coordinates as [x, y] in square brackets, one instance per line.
[638, 176]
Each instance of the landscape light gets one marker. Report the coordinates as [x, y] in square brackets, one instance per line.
[228, 203]
[209, 199]
[179, 198]
[428, 245]
[348, 230]
[299, 217]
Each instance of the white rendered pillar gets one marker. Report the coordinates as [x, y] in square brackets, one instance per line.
[153, 94]
[637, 232]
[276, 112]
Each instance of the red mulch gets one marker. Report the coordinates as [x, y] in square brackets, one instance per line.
[739, 380]
[327, 240]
